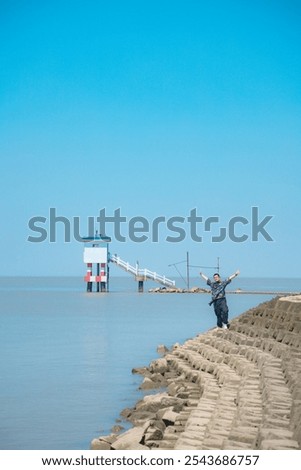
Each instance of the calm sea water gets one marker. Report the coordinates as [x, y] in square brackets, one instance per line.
[67, 356]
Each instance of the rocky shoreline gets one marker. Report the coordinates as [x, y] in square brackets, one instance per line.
[224, 389]
[200, 290]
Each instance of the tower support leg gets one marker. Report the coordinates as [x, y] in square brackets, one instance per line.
[97, 283]
[103, 287]
[140, 286]
[89, 286]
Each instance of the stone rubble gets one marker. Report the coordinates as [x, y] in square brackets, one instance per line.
[224, 389]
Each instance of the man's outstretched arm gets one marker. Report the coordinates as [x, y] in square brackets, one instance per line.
[234, 275]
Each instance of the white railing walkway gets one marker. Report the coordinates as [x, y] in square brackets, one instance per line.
[145, 273]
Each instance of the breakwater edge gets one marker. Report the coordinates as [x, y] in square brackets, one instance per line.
[223, 389]
[201, 290]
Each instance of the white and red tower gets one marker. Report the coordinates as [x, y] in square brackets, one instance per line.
[96, 253]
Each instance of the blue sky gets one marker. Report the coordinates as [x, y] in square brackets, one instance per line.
[155, 108]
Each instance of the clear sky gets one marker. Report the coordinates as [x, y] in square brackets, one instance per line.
[156, 108]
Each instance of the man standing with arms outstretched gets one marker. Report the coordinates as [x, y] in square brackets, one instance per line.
[219, 297]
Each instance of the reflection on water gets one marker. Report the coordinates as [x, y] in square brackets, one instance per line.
[67, 356]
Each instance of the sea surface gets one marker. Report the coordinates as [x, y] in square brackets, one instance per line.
[67, 355]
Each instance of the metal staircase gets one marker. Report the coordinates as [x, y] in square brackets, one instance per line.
[143, 274]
